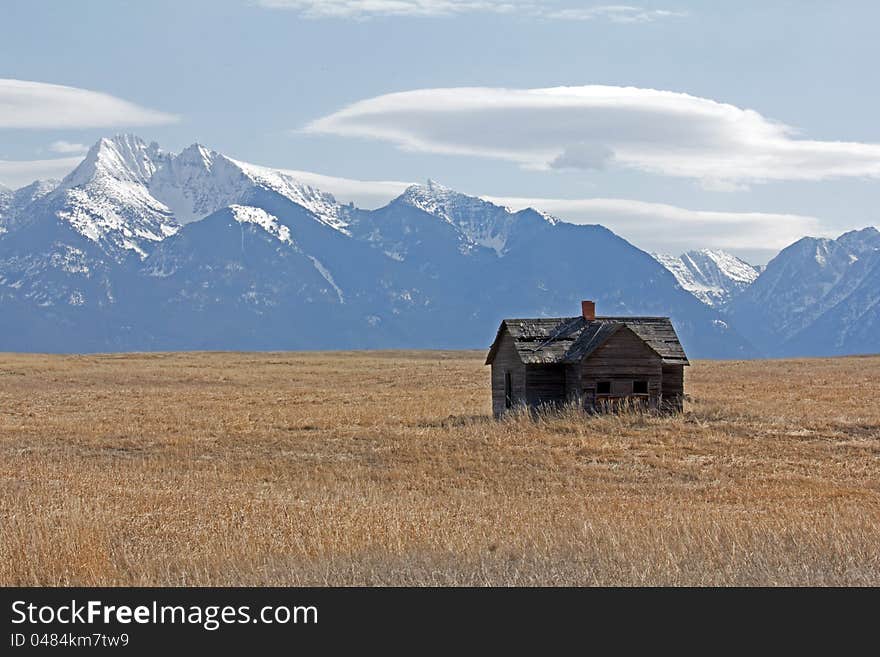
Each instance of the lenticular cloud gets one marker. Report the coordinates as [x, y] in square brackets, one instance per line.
[590, 127]
[27, 104]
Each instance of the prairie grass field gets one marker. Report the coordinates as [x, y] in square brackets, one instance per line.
[386, 468]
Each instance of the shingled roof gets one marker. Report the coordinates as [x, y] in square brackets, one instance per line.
[571, 339]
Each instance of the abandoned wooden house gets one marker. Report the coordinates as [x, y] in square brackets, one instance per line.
[593, 361]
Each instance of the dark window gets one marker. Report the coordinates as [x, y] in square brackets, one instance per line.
[640, 387]
[603, 388]
[508, 391]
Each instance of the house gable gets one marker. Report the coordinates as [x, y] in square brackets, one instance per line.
[622, 359]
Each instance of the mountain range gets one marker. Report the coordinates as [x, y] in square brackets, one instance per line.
[817, 297]
[713, 276]
[142, 249]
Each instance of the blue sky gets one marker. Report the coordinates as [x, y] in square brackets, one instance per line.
[770, 129]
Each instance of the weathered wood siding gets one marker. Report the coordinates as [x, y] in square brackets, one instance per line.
[573, 386]
[623, 358]
[545, 384]
[673, 387]
[507, 360]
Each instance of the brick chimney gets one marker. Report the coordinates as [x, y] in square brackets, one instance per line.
[588, 309]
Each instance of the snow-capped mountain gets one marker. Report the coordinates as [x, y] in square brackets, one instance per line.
[818, 296]
[199, 181]
[141, 249]
[106, 198]
[427, 220]
[713, 276]
[478, 222]
[6, 196]
[127, 195]
[13, 203]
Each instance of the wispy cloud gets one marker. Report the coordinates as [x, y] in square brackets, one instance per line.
[28, 104]
[362, 9]
[670, 228]
[613, 13]
[367, 194]
[367, 8]
[17, 173]
[65, 147]
[593, 127]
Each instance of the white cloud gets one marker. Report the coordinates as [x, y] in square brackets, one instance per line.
[367, 194]
[27, 104]
[18, 173]
[669, 228]
[361, 9]
[660, 132]
[62, 146]
[614, 13]
[366, 8]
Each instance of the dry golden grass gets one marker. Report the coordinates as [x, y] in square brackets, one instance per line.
[385, 468]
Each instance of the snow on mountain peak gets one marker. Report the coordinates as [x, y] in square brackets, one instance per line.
[323, 205]
[479, 222]
[6, 200]
[126, 194]
[441, 201]
[197, 155]
[106, 199]
[245, 214]
[37, 189]
[724, 263]
[197, 182]
[549, 218]
[711, 275]
[14, 204]
[122, 157]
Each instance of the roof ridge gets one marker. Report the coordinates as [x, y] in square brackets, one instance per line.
[565, 325]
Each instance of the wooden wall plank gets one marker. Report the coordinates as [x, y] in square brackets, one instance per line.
[507, 360]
